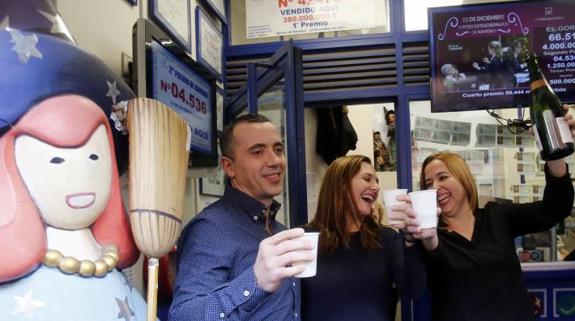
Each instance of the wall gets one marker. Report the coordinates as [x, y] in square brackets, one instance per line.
[107, 37]
[111, 36]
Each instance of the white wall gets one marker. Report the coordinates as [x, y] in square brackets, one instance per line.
[103, 27]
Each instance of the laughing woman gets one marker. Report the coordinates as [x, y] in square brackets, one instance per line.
[474, 272]
[359, 261]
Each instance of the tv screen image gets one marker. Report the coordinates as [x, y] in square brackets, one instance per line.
[165, 72]
[478, 53]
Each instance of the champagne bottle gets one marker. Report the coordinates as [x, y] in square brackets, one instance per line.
[552, 133]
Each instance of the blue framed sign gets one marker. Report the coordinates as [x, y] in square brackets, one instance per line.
[173, 16]
[210, 44]
[188, 93]
[219, 7]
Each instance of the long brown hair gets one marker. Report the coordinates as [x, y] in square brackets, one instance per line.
[459, 169]
[336, 204]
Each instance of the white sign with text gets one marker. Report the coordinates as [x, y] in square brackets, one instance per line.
[272, 18]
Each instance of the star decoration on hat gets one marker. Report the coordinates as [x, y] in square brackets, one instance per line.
[112, 91]
[125, 312]
[26, 304]
[58, 25]
[5, 24]
[24, 46]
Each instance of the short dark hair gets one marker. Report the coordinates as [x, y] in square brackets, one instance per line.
[228, 132]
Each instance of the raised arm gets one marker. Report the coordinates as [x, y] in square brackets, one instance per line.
[208, 288]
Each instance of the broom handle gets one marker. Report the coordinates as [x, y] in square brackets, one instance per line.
[153, 266]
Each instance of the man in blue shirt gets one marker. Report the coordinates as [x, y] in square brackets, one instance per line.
[230, 266]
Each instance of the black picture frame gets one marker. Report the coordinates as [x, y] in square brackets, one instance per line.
[213, 186]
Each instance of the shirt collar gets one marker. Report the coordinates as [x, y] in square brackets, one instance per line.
[252, 207]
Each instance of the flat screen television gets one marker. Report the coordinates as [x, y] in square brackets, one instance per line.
[165, 72]
[476, 53]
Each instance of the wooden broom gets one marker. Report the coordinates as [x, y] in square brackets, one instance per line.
[157, 177]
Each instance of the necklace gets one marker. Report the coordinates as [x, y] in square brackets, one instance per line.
[70, 265]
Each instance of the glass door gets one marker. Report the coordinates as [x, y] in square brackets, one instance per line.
[275, 90]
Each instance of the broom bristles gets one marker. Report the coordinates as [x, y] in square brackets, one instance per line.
[157, 174]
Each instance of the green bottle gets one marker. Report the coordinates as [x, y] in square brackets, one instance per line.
[552, 133]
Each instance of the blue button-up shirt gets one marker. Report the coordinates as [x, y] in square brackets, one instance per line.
[217, 252]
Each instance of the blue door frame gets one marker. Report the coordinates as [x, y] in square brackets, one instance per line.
[401, 95]
[285, 64]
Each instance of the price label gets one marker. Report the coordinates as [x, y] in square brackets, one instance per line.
[556, 50]
[180, 93]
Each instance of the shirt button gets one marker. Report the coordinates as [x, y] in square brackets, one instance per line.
[222, 315]
[255, 218]
[295, 314]
[293, 284]
[246, 293]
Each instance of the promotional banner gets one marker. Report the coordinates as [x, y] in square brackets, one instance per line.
[269, 18]
[478, 53]
[182, 89]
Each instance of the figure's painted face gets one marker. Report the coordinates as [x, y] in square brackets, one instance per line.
[70, 186]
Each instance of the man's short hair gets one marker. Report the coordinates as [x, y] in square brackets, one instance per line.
[228, 132]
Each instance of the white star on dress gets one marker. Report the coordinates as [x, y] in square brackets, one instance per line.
[58, 25]
[125, 312]
[24, 46]
[112, 91]
[26, 304]
[537, 302]
[5, 24]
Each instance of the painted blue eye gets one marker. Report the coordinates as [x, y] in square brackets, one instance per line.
[57, 160]
[94, 157]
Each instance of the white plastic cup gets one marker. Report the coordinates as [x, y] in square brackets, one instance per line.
[390, 199]
[425, 206]
[310, 266]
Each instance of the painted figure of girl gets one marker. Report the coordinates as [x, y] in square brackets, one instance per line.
[64, 235]
[63, 229]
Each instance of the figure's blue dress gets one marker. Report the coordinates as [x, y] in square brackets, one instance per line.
[50, 295]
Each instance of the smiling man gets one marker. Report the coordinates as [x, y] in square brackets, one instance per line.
[231, 265]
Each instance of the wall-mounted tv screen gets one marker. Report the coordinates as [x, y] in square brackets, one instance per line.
[165, 72]
[478, 53]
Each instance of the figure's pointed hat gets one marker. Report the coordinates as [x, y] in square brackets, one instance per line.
[38, 59]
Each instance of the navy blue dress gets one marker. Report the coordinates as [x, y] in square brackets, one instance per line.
[358, 284]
